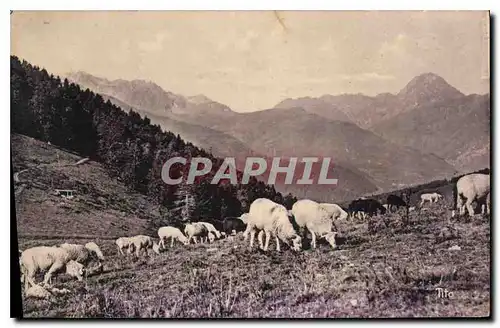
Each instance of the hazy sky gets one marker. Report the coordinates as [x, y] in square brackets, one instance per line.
[253, 60]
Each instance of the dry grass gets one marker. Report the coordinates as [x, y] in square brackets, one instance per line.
[383, 267]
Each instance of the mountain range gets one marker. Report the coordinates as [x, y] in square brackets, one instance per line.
[428, 130]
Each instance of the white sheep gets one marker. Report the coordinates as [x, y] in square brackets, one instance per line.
[273, 219]
[37, 291]
[470, 188]
[41, 259]
[210, 227]
[194, 230]
[75, 269]
[84, 254]
[123, 243]
[430, 197]
[317, 218]
[173, 233]
[142, 243]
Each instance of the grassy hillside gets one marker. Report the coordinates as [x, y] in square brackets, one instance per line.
[457, 131]
[103, 207]
[382, 268]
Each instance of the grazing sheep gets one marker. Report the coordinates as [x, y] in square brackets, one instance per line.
[367, 206]
[210, 227]
[317, 218]
[430, 197]
[233, 225]
[123, 243]
[173, 233]
[470, 188]
[394, 201]
[142, 243]
[84, 254]
[193, 230]
[40, 259]
[272, 218]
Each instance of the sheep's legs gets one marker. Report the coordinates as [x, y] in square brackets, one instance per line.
[29, 279]
[54, 268]
[172, 242]
[252, 236]
[260, 237]
[278, 244]
[268, 238]
[488, 203]
[470, 209]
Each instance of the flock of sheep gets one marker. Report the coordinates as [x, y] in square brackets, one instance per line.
[265, 217]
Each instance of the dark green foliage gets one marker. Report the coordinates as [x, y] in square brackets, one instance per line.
[132, 149]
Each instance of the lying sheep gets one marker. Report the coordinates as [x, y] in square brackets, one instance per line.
[38, 291]
[40, 259]
[173, 233]
[273, 219]
[76, 270]
[317, 218]
[194, 230]
[210, 227]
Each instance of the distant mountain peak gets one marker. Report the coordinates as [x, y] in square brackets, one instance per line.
[148, 96]
[427, 87]
[199, 99]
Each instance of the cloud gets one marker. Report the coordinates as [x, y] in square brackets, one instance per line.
[155, 44]
[371, 76]
[397, 47]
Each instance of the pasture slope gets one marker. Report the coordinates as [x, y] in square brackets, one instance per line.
[382, 267]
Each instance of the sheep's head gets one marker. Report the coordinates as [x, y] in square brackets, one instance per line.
[211, 237]
[330, 238]
[297, 243]
[183, 239]
[156, 248]
[343, 215]
[91, 246]
[75, 269]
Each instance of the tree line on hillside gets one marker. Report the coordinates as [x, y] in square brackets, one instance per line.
[131, 148]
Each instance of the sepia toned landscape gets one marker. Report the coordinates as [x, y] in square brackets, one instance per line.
[101, 100]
